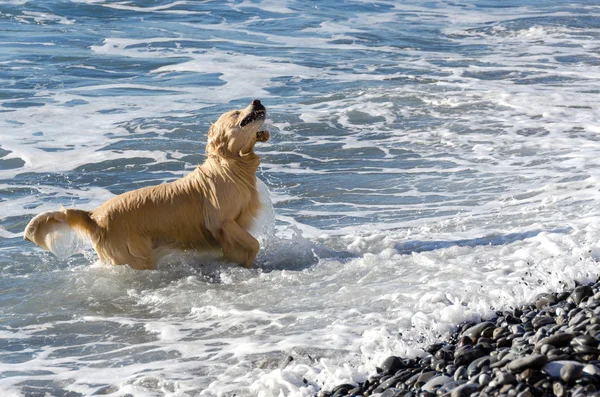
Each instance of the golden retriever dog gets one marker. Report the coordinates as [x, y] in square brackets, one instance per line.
[210, 209]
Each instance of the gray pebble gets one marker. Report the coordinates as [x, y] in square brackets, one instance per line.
[581, 292]
[475, 367]
[591, 369]
[584, 340]
[390, 382]
[525, 393]
[460, 373]
[484, 379]
[571, 372]
[465, 390]
[534, 361]
[391, 365]
[475, 331]
[557, 340]
[559, 389]
[542, 321]
[436, 382]
[393, 392]
[506, 378]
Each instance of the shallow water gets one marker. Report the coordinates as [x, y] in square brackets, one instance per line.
[428, 164]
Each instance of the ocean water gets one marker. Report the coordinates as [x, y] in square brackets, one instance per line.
[429, 163]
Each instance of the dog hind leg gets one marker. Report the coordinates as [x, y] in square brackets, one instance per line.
[141, 255]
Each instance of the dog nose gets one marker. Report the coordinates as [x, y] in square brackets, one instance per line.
[256, 102]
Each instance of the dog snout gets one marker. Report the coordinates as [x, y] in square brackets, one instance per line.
[255, 112]
[257, 105]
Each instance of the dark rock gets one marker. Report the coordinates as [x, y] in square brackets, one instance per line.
[390, 382]
[466, 357]
[581, 292]
[445, 353]
[464, 341]
[475, 366]
[557, 340]
[506, 378]
[432, 349]
[460, 373]
[525, 393]
[541, 321]
[393, 392]
[584, 340]
[571, 372]
[435, 383]
[544, 300]
[498, 332]
[584, 349]
[424, 378]
[475, 331]
[342, 390]
[578, 319]
[391, 365]
[357, 390]
[535, 361]
[465, 390]
[411, 381]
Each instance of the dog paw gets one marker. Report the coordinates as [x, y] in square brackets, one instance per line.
[262, 136]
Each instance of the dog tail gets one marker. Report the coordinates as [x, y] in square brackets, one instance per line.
[61, 232]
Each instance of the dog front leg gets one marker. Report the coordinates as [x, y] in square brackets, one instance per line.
[238, 245]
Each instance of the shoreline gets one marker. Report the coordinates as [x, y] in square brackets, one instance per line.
[547, 348]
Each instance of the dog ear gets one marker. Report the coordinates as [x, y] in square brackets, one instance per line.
[215, 143]
[210, 144]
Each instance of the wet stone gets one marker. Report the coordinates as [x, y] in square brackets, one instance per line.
[557, 340]
[475, 367]
[391, 365]
[465, 390]
[571, 372]
[578, 319]
[393, 392]
[584, 340]
[525, 393]
[591, 369]
[582, 292]
[461, 373]
[506, 378]
[545, 300]
[342, 390]
[436, 382]
[445, 353]
[559, 389]
[475, 331]
[542, 321]
[390, 382]
[484, 379]
[534, 361]
[467, 356]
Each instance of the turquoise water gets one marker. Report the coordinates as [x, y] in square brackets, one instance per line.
[428, 163]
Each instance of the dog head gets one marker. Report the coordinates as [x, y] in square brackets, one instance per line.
[235, 132]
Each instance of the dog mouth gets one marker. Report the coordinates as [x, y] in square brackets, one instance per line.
[257, 113]
[254, 116]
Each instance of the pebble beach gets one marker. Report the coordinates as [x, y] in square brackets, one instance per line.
[546, 348]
